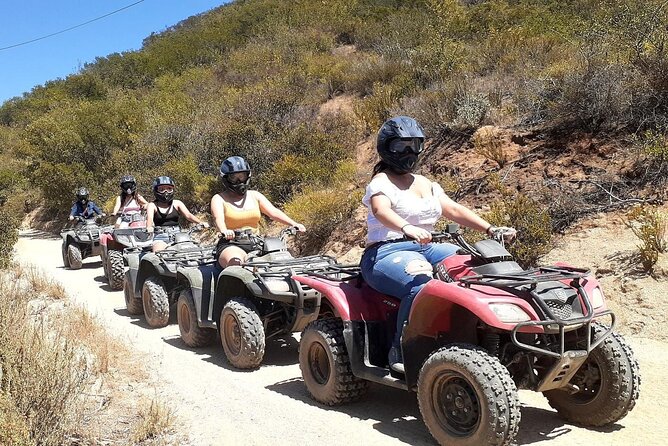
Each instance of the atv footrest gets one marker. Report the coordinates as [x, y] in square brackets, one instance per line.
[563, 370]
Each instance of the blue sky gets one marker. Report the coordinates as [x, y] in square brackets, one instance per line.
[26, 66]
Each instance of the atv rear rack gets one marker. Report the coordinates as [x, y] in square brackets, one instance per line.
[336, 273]
[526, 278]
[191, 257]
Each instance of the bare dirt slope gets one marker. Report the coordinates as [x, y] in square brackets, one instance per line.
[220, 406]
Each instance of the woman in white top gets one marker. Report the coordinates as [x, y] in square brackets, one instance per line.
[128, 202]
[403, 205]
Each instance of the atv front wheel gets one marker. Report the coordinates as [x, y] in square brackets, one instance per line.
[115, 269]
[66, 259]
[191, 333]
[608, 382]
[155, 302]
[133, 305]
[325, 365]
[242, 333]
[467, 397]
[74, 256]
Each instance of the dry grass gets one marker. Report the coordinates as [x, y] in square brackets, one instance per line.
[650, 225]
[39, 282]
[156, 420]
[489, 143]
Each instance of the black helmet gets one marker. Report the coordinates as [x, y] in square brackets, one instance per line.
[235, 165]
[128, 184]
[163, 196]
[400, 141]
[82, 195]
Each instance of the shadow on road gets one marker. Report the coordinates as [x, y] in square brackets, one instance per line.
[36, 234]
[395, 411]
[137, 319]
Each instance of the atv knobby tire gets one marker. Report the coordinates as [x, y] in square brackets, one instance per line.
[325, 365]
[609, 383]
[155, 302]
[133, 305]
[74, 256]
[192, 334]
[115, 269]
[66, 259]
[467, 397]
[242, 333]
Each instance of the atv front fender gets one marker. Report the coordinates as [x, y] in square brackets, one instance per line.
[233, 281]
[438, 309]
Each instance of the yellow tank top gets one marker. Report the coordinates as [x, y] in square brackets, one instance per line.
[236, 218]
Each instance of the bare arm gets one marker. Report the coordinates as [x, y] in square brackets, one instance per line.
[462, 215]
[183, 210]
[218, 213]
[381, 206]
[150, 212]
[117, 205]
[271, 211]
[142, 201]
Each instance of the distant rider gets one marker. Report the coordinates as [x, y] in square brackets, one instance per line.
[236, 207]
[164, 212]
[128, 202]
[84, 207]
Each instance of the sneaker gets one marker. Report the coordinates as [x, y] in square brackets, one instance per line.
[395, 360]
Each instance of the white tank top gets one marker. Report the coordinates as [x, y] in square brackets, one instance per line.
[421, 212]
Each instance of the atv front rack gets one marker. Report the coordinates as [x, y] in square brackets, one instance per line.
[191, 257]
[528, 278]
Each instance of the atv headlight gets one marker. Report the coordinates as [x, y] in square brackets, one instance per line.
[597, 299]
[509, 313]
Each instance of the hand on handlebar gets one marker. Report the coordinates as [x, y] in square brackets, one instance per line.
[416, 233]
[502, 233]
[228, 234]
[300, 227]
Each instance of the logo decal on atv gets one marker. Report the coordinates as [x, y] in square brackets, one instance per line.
[561, 295]
[389, 303]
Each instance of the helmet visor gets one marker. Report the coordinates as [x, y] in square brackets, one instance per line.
[127, 185]
[165, 188]
[405, 145]
[238, 177]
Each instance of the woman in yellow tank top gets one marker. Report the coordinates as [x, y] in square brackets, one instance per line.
[239, 208]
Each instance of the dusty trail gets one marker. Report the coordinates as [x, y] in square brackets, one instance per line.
[221, 406]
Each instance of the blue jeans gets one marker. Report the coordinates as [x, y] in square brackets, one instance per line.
[401, 269]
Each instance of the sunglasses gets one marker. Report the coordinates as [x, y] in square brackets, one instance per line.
[238, 177]
[402, 146]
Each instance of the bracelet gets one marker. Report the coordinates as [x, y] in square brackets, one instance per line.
[402, 228]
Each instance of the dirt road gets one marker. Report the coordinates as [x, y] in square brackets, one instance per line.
[221, 406]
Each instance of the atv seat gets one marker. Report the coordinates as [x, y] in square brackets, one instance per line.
[492, 250]
[507, 267]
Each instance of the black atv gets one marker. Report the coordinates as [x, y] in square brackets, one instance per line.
[82, 241]
[152, 283]
[250, 302]
[114, 243]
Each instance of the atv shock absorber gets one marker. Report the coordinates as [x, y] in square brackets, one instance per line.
[491, 343]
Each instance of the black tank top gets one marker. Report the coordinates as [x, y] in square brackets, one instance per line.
[171, 218]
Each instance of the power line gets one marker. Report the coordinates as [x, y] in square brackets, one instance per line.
[72, 27]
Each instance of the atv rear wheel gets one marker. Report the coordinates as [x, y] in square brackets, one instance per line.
[191, 333]
[74, 256]
[609, 383]
[66, 259]
[325, 365]
[132, 304]
[115, 269]
[242, 333]
[467, 397]
[155, 302]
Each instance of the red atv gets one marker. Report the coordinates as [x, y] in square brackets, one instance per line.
[481, 329]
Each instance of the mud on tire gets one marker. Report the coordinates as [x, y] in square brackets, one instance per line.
[132, 304]
[74, 258]
[242, 333]
[115, 269]
[192, 334]
[609, 381]
[325, 365]
[467, 397]
[155, 302]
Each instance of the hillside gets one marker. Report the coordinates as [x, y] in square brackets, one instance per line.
[563, 103]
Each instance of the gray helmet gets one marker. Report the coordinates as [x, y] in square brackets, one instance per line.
[82, 195]
[233, 165]
[163, 196]
[400, 141]
[128, 184]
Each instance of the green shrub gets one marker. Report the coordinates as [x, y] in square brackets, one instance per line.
[489, 143]
[8, 236]
[13, 427]
[321, 211]
[650, 225]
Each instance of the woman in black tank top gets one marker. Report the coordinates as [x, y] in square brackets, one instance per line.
[165, 212]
